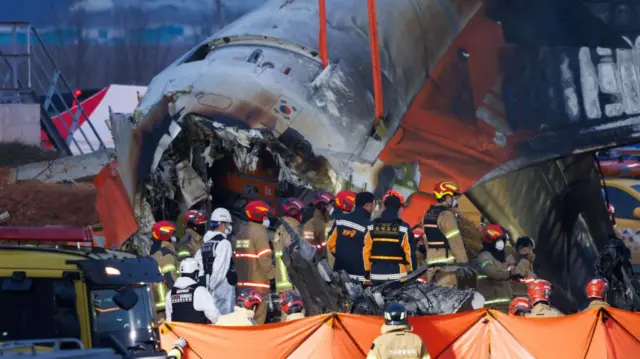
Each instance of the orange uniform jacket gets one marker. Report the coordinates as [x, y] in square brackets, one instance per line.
[253, 261]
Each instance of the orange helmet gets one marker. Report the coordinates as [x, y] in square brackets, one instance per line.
[257, 210]
[539, 291]
[163, 230]
[519, 304]
[445, 189]
[597, 288]
[418, 233]
[492, 233]
[393, 192]
[346, 200]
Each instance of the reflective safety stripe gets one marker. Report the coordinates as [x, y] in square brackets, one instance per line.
[184, 254]
[321, 245]
[436, 243]
[387, 276]
[168, 268]
[162, 294]
[497, 301]
[452, 233]
[485, 263]
[253, 255]
[391, 240]
[481, 277]
[422, 280]
[431, 225]
[357, 277]
[160, 305]
[283, 283]
[254, 285]
[442, 260]
[387, 258]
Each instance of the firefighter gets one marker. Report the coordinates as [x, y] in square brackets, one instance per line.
[291, 307]
[444, 242]
[253, 254]
[520, 307]
[387, 251]
[539, 295]
[346, 239]
[188, 301]
[596, 291]
[292, 214]
[244, 312]
[396, 340]
[195, 226]
[525, 248]
[491, 262]
[343, 204]
[421, 248]
[163, 251]
[314, 230]
[216, 260]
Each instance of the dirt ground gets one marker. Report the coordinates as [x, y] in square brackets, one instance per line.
[34, 203]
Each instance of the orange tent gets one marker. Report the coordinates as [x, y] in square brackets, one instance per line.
[605, 333]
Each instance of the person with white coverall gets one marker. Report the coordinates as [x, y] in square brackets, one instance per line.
[216, 259]
[188, 301]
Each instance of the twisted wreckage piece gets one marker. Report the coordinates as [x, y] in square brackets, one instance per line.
[325, 291]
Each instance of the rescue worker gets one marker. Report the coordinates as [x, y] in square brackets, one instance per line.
[421, 248]
[444, 241]
[253, 254]
[519, 307]
[539, 295]
[188, 301]
[491, 262]
[216, 260]
[525, 248]
[387, 253]
[596, 291]
[163, 251]
[292, 214]
[314, 230]
[195, 226]
[342, 205]
[346, 239]
[244, 312]
[396, 340]
[291, 307]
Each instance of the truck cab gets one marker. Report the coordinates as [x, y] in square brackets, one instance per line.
[55, 287]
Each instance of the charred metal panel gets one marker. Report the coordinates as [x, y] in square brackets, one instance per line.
[559, 204]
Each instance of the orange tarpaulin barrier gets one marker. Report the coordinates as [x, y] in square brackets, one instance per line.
[605, 333]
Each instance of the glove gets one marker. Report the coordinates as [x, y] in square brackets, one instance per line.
[464, 272]
[180, 343]
[367, 275]
[515, 275]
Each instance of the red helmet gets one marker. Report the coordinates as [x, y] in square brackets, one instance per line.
[539, 291]
[519, 304]
[418, 233]
[393, 192]
[291, 303]
[257, 210]
[323, 197]
[248, 298]
[163, 230]
[492, 233]
[597, 288]
[194, 218]
[346, 200]
[445, 189]
[292, 207]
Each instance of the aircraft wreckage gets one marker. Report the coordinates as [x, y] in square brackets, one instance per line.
[461, 90]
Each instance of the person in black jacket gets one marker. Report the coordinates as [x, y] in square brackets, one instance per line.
[346, 238]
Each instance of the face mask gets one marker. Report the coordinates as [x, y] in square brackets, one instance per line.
[266, 222]
[454, 203]
[500, 245]
[174, 239]
[228, 229]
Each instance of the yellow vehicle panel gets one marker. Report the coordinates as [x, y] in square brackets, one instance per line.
[624, 194]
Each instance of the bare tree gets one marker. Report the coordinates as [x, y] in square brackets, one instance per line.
[73, 46]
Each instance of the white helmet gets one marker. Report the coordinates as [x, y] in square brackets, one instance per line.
[189, 266]
[221, 215]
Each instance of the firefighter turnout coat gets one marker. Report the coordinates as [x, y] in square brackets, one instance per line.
[387, 248]
[597, 303]
[189, 244]
[495, 286]
[254, 257]
[281, 240]
[314, 231]
[189, 302]
[543, 310]
[444, 241]
[397, 342]
[346, 241]
[167, 259]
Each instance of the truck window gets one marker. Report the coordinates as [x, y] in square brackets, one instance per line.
[45, 309]
[623, 202]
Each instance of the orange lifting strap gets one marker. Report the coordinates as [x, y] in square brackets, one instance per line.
[375, 52]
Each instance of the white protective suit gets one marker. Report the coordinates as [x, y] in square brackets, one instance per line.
[217, 284]
[202, 300]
